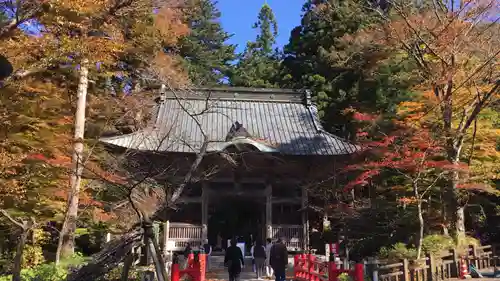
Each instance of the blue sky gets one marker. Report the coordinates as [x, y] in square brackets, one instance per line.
[238, 16]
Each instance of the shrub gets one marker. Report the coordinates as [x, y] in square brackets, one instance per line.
[462, 245]
[397, 252]
[344, 277]
[435, 244]
[32, 256]
[49, 271]
[115, 274]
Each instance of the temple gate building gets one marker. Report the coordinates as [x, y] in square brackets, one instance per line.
[277, 149]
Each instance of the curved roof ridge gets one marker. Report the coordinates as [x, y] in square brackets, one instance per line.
[290, 128]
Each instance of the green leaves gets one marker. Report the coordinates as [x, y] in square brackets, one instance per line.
[259, 65]
[206, 55]
[342, 72]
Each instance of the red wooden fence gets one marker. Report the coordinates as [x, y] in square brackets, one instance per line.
[195, 269]
[307, 268]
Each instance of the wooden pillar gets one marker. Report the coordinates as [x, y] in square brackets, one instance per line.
[305, 219]
[204, 210]
[166, 237]
[269, 210]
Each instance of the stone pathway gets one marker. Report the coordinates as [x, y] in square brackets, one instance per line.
[246, 275]
[219, 272]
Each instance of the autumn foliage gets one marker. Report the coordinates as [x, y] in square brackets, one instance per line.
[410, 153]
[37, 102]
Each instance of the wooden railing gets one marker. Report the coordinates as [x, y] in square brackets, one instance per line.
[293, 234]
[183, 233]
[443, 266]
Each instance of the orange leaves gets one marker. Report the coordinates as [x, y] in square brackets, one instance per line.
[61, 161]
[169, 24]
[112, 178]
[416, 155]
[407, 200]
[478, 187]
[451, 48]
[411, 111]
[363, 117]
[79, 6]
[362, 179]
[66, 120]
[168, 68]
[100, 174]
[101, 215]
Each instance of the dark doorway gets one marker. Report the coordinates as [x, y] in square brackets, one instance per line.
[235, 216]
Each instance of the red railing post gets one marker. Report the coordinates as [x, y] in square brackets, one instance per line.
[295, 266]
[359, 269]
[190, 260]
[175, 272]
[310, 267]
[201, 267]
[332, 271]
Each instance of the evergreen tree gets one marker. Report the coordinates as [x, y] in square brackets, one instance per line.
[206, 54]
[258, 65]
[317, 58]
[3, 18]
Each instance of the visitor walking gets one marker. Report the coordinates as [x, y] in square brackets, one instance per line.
[278, 259]
[207, 248]
[218, 246]
[269, 269]
[259, 257]
[188, 250]
[233, 260]
[252, 246]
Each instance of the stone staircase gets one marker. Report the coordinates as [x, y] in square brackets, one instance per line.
[217, 262]
[219, 272]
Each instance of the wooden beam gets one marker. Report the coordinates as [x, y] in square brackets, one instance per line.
[305, 219]
[204, 210]
[166, 236]
[297, 201]
[269, 210]
[188, 200]
[246, 180]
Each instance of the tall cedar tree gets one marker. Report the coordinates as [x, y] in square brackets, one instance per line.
[258, 65]
[315, 59]
[207, 56]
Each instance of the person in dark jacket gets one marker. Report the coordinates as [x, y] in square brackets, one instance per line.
[207, 249]
[259, 257]
[188, 250]
[234, 261]
[278, 259]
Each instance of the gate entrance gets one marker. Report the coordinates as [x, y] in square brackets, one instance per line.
[235, 216]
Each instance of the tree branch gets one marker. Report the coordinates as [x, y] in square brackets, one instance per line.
[12, 220]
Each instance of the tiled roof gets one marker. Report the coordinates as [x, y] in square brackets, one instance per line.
[277, 120]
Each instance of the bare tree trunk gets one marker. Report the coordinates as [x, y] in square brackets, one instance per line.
[18, 259]
[421, 223]
[126, 266]
[26, 227]
[452, 193]
[457, 210]
[66, 247]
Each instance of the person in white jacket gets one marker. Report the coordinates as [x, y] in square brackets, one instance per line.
[269, 269]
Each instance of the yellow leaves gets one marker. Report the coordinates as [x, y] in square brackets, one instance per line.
[168, 68]
[410, 107]
[168, 23]
[79, 6]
